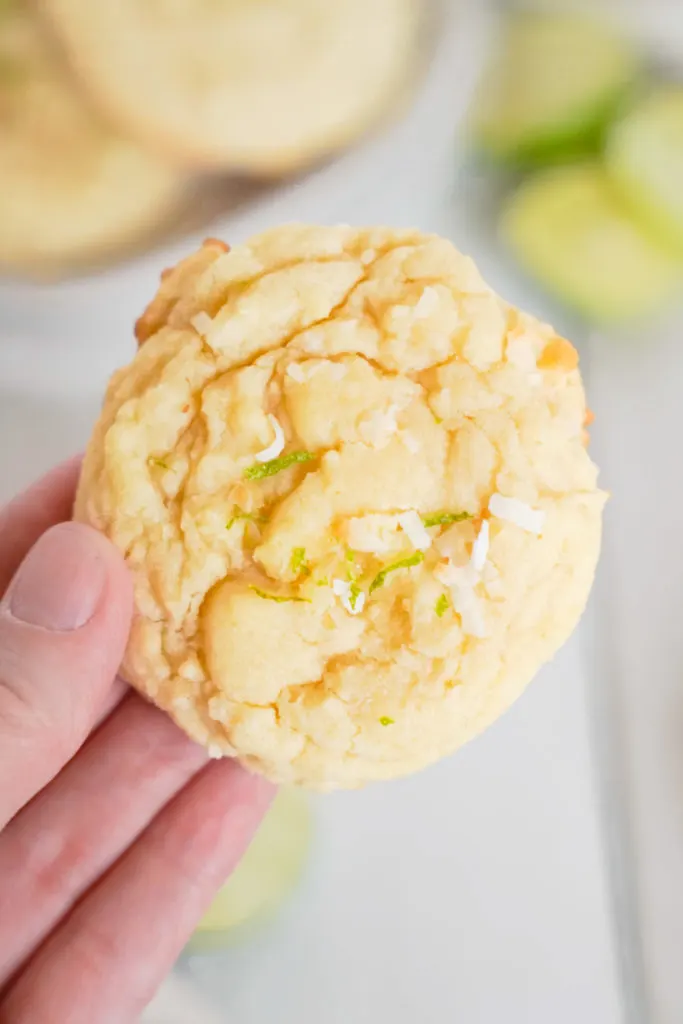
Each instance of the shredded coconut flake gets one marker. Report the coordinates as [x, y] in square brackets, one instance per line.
[353, 605]
[215, 751]
[461, 580]
[368, 256]
[517, 512]
[480, 548]
[412, 525]
[274, 449]
[202, 323]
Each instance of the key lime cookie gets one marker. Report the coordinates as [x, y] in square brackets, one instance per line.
[70, 188]
[352, 486]
[264, 86]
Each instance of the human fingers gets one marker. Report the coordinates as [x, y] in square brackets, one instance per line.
[122, 938]
[75, 829]
[47, 502]
[64, 623]
[23, 520]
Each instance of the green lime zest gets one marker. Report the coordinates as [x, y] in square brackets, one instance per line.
[437, 419]
[442, 606]
[298, 563]
[445, 518]
[160, 463]
[239, 513]
[323, 582]
[280, 598]
[352, 572]
[354, 593]
[385, 720]
[261, 470]
[403, 563]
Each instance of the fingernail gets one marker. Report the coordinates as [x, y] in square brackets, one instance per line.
[59, 584]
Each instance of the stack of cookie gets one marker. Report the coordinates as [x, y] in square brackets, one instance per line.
[109, 111]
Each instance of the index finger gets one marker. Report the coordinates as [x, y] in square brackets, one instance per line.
[26, 518]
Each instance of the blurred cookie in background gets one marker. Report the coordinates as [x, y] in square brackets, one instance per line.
[261, 86]
[71, 190]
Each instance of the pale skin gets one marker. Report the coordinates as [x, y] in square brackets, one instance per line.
[115, 829]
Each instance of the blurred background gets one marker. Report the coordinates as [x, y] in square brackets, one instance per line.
[538, 875]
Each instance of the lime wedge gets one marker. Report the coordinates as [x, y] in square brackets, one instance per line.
[268, 871]
[568, 229]
[551, 89]
[645, 161]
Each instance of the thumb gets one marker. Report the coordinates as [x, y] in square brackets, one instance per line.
[64, 624]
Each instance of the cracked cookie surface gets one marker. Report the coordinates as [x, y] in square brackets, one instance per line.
[353, 489]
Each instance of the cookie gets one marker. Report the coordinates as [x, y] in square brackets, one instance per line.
[352, 487]
[263, 87]
[70, 188]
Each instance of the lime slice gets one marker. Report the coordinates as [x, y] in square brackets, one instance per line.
[645, 161]
[567, 227]
[552, 88]
[268, 871]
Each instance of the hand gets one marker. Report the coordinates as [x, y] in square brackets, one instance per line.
[116, 830]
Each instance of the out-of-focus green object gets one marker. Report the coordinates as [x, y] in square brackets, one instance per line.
[644, 158]
[266, 875]
[551, 89]
[570, 230]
